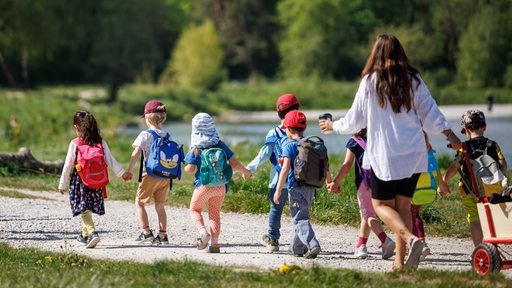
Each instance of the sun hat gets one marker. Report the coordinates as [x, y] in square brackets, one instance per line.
[152, 107]
[472, 119]
[285, 101]
[204, 134]
[295, 119]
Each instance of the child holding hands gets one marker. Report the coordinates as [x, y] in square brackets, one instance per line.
[204, 135]
[85, 200]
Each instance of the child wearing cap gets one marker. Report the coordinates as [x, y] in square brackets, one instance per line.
[204, 135]
[150, 187]
[473, 126]
[271, 151]
[303, 242]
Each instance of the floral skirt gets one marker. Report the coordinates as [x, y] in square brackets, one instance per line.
[84, 198]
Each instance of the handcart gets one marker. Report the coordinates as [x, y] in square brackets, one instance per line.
[496, 223]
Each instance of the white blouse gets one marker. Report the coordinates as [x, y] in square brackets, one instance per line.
[396, 147]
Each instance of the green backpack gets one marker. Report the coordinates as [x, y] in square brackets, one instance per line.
[215, 169]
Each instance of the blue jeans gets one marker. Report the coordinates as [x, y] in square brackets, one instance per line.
[276, 211]
[301, 198]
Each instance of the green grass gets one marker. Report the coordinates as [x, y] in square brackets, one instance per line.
[33, 268]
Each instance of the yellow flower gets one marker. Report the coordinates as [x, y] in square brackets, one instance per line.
[39, 261]
[284, 269]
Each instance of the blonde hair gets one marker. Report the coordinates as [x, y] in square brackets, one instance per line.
[156, 118]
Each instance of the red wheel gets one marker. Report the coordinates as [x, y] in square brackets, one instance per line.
[486, 259]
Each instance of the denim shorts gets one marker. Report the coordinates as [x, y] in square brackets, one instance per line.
[387, 190]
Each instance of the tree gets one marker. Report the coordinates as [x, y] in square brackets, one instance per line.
[197, 58]
[485, 46]
[127, 40]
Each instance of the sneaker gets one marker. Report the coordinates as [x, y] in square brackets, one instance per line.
[297, 254]
[361, 252]
[161, 240]
[313, 253]
[425, 252]
[202, 241]
[271, 244]
[214, 248]
[415, 249]
[93, 240]
[145, 238]
[82, 239]
[388, 248]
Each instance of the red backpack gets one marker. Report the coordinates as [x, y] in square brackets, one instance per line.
[91, 165]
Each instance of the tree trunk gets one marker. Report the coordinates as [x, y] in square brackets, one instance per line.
[113, 91]
[7, 71]
[24, 68]
[25, 161]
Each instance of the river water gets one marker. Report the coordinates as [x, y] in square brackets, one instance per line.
[498, 129]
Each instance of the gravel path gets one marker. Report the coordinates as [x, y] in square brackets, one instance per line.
[46, 223]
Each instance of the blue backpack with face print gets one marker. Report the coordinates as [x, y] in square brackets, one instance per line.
[165, 158]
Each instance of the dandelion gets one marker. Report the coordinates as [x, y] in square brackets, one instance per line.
[39, 261]
[284, 269]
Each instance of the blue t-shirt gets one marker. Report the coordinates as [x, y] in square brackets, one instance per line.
[290, 149]
[191, 158]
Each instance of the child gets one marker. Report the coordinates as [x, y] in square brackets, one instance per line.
[417, 222]
[271, 150]
[303, 242]
[473, 126]
[150, 187]
[204, 135]
[355, 151]
[85, 200]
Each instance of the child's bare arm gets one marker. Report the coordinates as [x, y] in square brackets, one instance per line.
[133, 160]
[443, 188]
[189, 168]
[239, 167]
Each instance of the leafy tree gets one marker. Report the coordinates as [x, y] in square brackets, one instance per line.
[127, 40]
[485, 46]
[197, 58]
[246, 29]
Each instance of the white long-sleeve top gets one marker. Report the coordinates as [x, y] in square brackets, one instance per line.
[396, 146]
[70, 162]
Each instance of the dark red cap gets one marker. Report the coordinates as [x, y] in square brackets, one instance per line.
[151, 107]
[295, 119]
[285, 101]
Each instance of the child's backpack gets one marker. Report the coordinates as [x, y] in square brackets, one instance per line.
[215, 169]
[365, 173]
[90, 164]
[485, 172]
[165, 158]
[426, 188]
[311, 163]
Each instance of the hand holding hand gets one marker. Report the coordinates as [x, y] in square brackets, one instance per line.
[325, 125]
[127, 176]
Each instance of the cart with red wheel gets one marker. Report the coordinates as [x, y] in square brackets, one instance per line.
[496, 223]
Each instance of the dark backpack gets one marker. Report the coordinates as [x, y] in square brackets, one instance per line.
[485, 172]
[215, 169]
[165, 158]
[311, 163]
[90, 164]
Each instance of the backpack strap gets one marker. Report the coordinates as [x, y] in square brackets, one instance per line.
[471, 174]
[275, 139]
[360, 141]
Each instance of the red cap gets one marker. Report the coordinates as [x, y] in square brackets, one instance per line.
[285, 101]
[151, 107]
[295, 119]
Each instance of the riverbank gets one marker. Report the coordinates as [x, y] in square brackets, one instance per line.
[452, 112]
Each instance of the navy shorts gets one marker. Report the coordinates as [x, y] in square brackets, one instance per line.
[387, 190]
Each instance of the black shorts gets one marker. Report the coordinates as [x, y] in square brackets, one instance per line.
[387, 190]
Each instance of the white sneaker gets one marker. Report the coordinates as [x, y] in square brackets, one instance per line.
[388, 248]
[425, 252]
[361, 252]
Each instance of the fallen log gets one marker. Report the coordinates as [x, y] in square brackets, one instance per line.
[25, 161]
